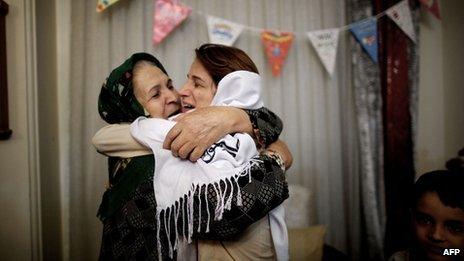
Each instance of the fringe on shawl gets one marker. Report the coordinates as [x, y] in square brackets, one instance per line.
[184, 207]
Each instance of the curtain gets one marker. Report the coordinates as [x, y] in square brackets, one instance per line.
[398, 61]
[368, 98]
[320, 125]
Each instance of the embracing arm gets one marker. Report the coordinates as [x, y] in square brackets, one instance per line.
[265, 190]
[198, 130]
[280, 148]
[267, 126]
[194, 132]
[115, 140]
[261, 124]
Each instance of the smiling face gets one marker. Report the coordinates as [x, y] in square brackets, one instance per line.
[199, 89]
[154, 91]
[438, 227]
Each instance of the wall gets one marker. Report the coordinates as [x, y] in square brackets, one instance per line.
[19, 217]
[441, 96]
[48, 128]
[453, 75]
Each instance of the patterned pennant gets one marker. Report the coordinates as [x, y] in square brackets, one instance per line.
[221, 31]
[432, 6]
[325, 42]
[276, 46]
[401, 15]
[366, 34]
[168, 15]
[103, 4]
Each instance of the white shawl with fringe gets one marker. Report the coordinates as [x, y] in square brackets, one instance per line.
[176, 181]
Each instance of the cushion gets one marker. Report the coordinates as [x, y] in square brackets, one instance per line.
[306, 243]
[299, 207]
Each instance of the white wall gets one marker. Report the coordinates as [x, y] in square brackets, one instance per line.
[441, 95]
[18, 162]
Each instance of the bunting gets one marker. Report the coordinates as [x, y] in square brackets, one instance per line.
[325, 42]
[366, 34]
[401, 15]
[432, 6]
[221, 31]
[276, 46]
[103, 4]
[168, 15]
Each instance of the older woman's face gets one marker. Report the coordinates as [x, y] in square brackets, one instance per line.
[154, 91]
[199, 89]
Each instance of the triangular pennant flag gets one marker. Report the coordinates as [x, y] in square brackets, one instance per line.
[366, 33]
[221, 31]
[168, 15]
[432, 6]
[103, 4]
[325, 42]
[276, 46]
[401, 15]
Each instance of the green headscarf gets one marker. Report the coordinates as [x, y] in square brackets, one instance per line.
[117, 102]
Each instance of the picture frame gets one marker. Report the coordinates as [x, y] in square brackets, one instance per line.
[5, 131]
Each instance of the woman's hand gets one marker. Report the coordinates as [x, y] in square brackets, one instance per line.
[281, 148]
[198, 130]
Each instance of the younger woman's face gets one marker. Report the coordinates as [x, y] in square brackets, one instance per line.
[438, 227]
[154, 91]
[199, 89]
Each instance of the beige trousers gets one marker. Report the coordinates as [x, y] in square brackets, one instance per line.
[254, 244]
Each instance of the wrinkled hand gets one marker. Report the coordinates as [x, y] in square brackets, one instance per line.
[281, 148]
[198, 130]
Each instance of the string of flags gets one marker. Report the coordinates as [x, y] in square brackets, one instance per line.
[432, 6]
[276, 46]
[103, 4]
[169, 14]
[366, 34]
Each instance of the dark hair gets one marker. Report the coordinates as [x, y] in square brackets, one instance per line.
[449, 186]
[456, 164]
[220, 60]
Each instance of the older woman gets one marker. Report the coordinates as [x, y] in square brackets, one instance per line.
[128, 206]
